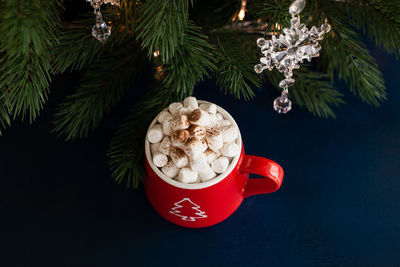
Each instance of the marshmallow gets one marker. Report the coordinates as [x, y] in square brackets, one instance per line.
[179, 157]
[217, 121]
[210, 108]
[219, 117]
[197, 131]
[163, 116]
[155, 148]
[230, 150]
[195, 147]
[165, 146]
[211, 155]
[155, 134]
[159, 159]
[222, 123]
[229, 134]
[199, 163]
[214, 139]
[190, 102]
[180, 123]
[170, 170]
[174, 108]
[185, 111]
[200, 117]
[220, 164]
[180, 137]
[167, 126]
[206, 174]
[187, 176]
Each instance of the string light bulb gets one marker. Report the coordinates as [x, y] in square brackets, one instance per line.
[242, 12]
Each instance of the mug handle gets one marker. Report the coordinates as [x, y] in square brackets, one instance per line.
[272, 172]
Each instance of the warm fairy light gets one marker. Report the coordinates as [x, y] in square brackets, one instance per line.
[156, 53]
[242, 12]
[159, 73]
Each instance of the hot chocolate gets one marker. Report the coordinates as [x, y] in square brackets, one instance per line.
[193, 143]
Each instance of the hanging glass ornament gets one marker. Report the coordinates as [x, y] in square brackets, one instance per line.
[287, 51]
[101, 31]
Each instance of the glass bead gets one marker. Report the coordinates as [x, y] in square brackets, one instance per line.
[295, 21]
[101, 31]
[266, 61]
[283, 104]
[95, 3]
[326, 28]
[288, 73]
[261, 42]
[297, 7]
[286, 83]
[258, 68]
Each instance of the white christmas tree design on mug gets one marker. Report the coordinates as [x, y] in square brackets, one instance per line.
[188, 210]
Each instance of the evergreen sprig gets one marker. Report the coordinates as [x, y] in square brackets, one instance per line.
[192, 61]
[272, 12]
[4, 115]
[77, 47]
[353, 64]
[99, 91]
[383, 22]
[28, 30]
[315, 92]
[235, 74]
[312, 90]
[161, 25]
[126, 150]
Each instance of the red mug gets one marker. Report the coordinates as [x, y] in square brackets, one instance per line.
[205, 204]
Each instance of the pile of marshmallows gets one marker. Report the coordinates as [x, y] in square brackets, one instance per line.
[192, 143]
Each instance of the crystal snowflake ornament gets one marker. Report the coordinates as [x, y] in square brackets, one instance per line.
[287, 51]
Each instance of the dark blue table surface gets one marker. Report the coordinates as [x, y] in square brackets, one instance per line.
[339, 204]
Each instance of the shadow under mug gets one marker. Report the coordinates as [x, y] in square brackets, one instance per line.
[205, 204]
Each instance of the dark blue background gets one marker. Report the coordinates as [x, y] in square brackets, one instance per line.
[339, 204]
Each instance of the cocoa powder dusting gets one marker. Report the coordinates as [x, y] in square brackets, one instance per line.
[182, 135]
[178, 152]
[208, 152]
[195, 116]
[213, 132]
[197, 130]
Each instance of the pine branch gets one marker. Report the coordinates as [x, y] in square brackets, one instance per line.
[353, 64]
[126, 150]
[383, 22]
[28, 37]
[273, 12]
[161, 25]
[102, 87]
[78, 48]
[4, 115]
[315, 92]
[235, 73]
[192, 61]
[312, 91]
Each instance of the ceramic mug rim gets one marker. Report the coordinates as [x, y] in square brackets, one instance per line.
[209, 183]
